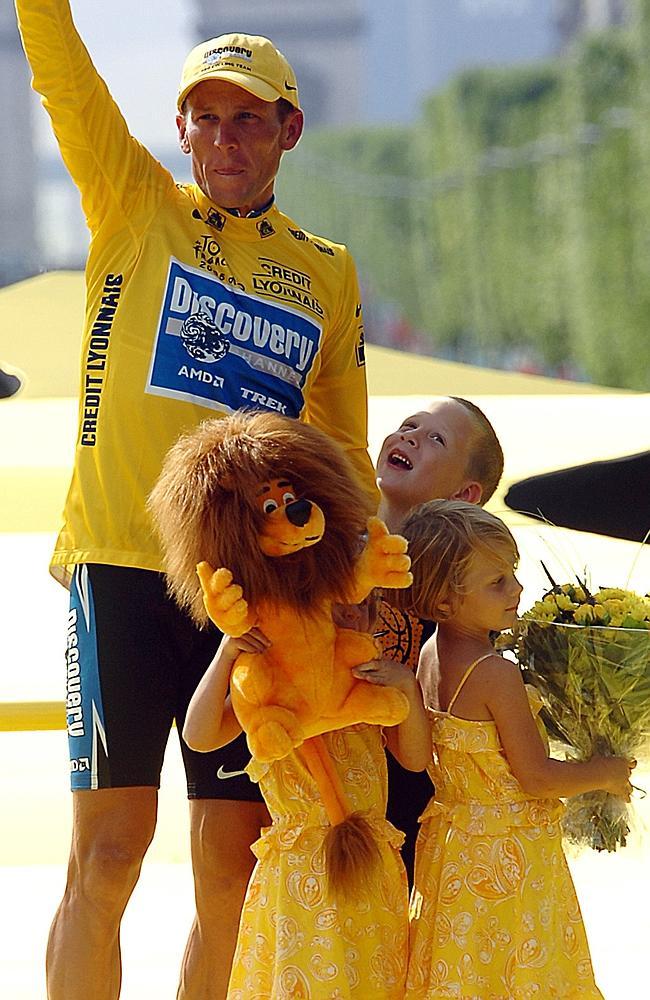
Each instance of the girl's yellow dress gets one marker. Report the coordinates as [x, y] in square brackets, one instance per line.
[294, 942]
[494, 913]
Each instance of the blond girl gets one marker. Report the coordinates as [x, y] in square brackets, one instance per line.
[494, 912]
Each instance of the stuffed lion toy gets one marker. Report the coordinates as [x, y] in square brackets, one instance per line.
[263, 524]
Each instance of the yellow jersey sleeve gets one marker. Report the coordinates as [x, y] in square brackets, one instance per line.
[338, 400]
[120, 182]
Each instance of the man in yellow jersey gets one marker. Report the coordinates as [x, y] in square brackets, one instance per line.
[201, 298]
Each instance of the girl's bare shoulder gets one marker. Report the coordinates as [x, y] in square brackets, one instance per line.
[428, 672]
[498, 670]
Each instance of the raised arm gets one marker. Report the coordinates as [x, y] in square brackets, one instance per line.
[114, 173]
[539, 775]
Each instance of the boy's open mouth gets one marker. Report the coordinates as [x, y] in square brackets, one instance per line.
[400, 461]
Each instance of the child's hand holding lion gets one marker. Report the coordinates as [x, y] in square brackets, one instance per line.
[386, 673]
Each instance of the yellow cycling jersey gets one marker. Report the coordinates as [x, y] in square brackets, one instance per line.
[191, 312]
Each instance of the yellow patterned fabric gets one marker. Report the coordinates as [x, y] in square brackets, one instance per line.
[294, 942]
[494, 914]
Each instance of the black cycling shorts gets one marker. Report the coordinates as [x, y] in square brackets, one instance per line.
[133, 662]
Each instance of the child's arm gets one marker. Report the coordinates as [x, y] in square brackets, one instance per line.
[539, 775]
[210, 722]
[410, 741]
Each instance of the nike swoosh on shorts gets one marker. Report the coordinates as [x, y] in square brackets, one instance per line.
[228, 774]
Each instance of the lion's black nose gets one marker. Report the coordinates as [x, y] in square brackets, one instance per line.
[298, 512]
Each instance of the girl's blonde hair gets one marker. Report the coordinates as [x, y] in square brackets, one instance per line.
[443, 538]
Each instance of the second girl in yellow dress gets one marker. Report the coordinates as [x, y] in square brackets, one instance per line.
[494, 914]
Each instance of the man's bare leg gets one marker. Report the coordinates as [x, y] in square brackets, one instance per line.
[222, 832]
[112, 829]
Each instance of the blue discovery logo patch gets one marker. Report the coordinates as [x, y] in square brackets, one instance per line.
[222, 348]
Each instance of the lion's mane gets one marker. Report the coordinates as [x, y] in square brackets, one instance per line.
[204, 508]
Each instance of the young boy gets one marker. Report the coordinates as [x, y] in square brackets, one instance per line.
[447, 452]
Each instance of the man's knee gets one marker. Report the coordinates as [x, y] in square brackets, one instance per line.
[222, 834]
[105, 872]
[110, 838]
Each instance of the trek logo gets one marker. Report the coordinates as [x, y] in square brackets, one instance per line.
[225, 349]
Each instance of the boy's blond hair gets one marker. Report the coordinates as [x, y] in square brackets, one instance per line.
[443, 537]
[485, 463]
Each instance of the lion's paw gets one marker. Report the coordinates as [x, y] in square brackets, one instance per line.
[396, 707]
[384, 561]
[276, 733]
[380, 706]
[224, 601]
[270, 742]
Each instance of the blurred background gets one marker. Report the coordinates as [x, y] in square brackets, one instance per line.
[487, 162]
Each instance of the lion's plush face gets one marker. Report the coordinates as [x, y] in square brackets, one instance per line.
[290, 523]
[207, 505]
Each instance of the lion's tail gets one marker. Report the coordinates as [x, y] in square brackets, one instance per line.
[351, 851]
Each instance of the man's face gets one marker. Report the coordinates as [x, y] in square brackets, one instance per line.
[236, 141]
[428, 456]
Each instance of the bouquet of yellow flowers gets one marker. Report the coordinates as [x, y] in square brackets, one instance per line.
[589, 657]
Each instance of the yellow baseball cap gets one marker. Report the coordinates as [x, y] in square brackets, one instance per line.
[248, 61]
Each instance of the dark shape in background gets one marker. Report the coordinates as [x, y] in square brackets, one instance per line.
[9, 384]
[607, 498]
